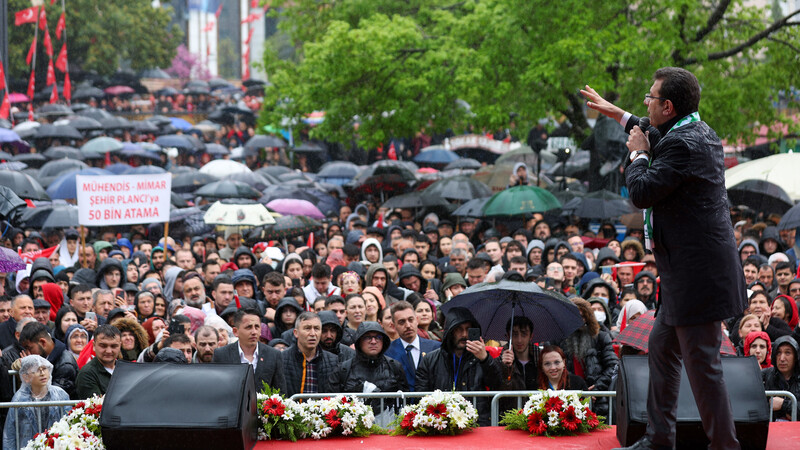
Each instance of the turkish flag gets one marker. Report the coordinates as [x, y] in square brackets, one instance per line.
[51, 74]
[67, 88]
[27, 15]
[2, 77]
[31, 52]
[310, 242]
[5, 108]
[249, 36]
[42, 19]
[392, 152]
[31, 86]
[61, 61]
[29, 257]
[54, 94]
[61, 25]
[219, 11]
[48, 44]
[30, 111]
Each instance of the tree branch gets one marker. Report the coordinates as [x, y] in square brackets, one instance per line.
[748, 43]
[781, 41]
[713, 20]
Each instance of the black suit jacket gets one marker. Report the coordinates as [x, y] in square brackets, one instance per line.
[694, 246]
[268, 370]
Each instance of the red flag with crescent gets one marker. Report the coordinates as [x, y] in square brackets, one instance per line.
[2, 77]
[5, 108]
[61, 25]
[27, 15]
[42, 19]
[48, 44]
[51, 74]
[67, 87]
[54, 94]
[61, 61]
[31, 86]
[29, 58]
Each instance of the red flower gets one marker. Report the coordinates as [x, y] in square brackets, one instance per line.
[344, 400]
[408, 420]
[553, 404]
[592, 419]
[536, 423]
[569, 419]
[274, 407]
[332, 419]
[436, 411]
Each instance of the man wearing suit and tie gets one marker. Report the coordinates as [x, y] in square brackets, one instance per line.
[266, 361]
[409, 348]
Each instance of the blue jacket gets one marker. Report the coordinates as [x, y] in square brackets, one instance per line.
[27, 417]
[397, 352]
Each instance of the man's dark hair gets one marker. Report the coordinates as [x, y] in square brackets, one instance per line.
[570, 256]
[522, 231]
[518, 260]
[239, 315]
[478, 263]
[221, 279]
[209, 263]
[206, 330]
[177, 337]
[750, 262]
[390, 259]
[784, 265]
[422, 237]
[305, 315]
[108, 331]
[520, 322]
[334, 299]
[680, 87]
[273, 279]
[351, 250]
[518, 245]
[33, 332]
[402, 305]
[320, 271]
[83, 287]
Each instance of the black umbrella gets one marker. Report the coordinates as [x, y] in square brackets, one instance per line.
[116, 123]
[216, 149]
[168, 91]
[274, 171]
[179, 141]
[145, 126]
[57, 167]
[599, 205]
[264, 141]
[177, 201]
[494, 304]
[417, 199]
[338, 169]
[54, 109]
[308, 147]
[95, 113]
[254, 179]
[31, 159]
[760, 195]
[463, 163]
[50, 216]
[87, 92]
[278, 191]
[84, 124]
[10, 204]
[472, 208]
[48, 131]
[791, 219]
[23, 185]
[458, 188]
[159, 120]
[284, 228]
[191, 181]
[227, 189]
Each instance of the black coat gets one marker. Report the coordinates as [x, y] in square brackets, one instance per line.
[382, 371]
[268, 370]
[65, 368]
[325, 364]
[600, 365]
[774, 381]
[694, 247]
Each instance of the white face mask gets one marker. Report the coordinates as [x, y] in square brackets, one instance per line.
[600, 316]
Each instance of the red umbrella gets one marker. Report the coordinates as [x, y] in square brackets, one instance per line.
[637, 334]
[118, 90]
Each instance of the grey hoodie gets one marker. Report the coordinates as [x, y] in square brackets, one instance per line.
[169, 282]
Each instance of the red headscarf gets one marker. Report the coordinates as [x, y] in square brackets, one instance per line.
[148, 326]
[55, 296]
[752, 336]
[793, 320]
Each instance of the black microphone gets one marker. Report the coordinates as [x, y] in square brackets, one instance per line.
[655, 135]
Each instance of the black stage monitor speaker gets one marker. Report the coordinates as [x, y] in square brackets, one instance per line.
[180, 406]
[745, 388]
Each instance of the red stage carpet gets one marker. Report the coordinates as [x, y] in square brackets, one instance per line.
[782, 436]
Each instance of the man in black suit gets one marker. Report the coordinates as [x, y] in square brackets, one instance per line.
[677, 172]
[266, 361]
[409, 348]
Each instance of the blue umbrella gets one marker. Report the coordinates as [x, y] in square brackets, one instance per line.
[119, 168]
[65, 186]
[435, 156]
[9, 136]
[181, 124]
[146, 170]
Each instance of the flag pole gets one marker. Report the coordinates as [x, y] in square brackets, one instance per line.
[166, 235]
[81, 255]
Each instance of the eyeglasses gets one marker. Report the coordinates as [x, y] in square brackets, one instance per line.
[648, 98]
[373, 337]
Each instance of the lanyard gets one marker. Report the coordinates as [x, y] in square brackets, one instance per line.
[455, 370]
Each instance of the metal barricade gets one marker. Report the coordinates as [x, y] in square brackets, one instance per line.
[520, 394]
[38, 406]
[771, 394]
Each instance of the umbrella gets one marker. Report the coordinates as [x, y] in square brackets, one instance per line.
[63, 151]
[118, 168]
[95, 113]
[417, 199]
[16, 97]
[278, 191]
[179, 141]
[119, 90]
[66, 187]
[54, 109]
[285, 227]
[780, 169]
[338, 169]
[599, 205]
[159, 120]
[81, 123]
[26, 129]
[9, 136]
[31, 159]
[791, 219]
[145, 170]
[181, 124]
[10, 204]
[23, 185]
[522, 154]
[4, 156]
[253, 179]
[761, 196]
[494, 304]
[217, 149]
[637, 334]
[13, 165]
[57, 167]
[295, 207]
[10, 261]
[435, 156]
[87, 92]
[48, 131]
[101, 145]
[191, 181]
[274, 171]
[155, 73]
[472, 208]
[458, 188]
[116, 123]
[520, 200]
[223, 167]
[50, 216]
[227, 189]
[251, 215]
[145, 126]
[264, 141]
[463, 163]
[307, 147]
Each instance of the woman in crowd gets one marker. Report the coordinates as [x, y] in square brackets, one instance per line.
[553, 373]
[758, 344]
[356, 308]
[427, 328]
[76, 337]
[747, 325]
[785, 309]
[36, 374]
[134, 338]
[144, 305]
[160, 308]
[65, 317]
[373, 303]
[350, 283]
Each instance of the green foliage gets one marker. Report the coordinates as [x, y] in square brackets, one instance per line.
[100, 35]
[399, 67]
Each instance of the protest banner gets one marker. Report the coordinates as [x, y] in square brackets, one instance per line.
[123, 200]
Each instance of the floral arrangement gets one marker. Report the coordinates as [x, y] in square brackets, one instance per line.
[281, 418]
[340, 415]
[79, 429]
[553, 413]
[446, 413]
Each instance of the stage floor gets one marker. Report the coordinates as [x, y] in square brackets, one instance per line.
[782, 436]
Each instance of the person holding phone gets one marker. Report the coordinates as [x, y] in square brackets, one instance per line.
[461, 363]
